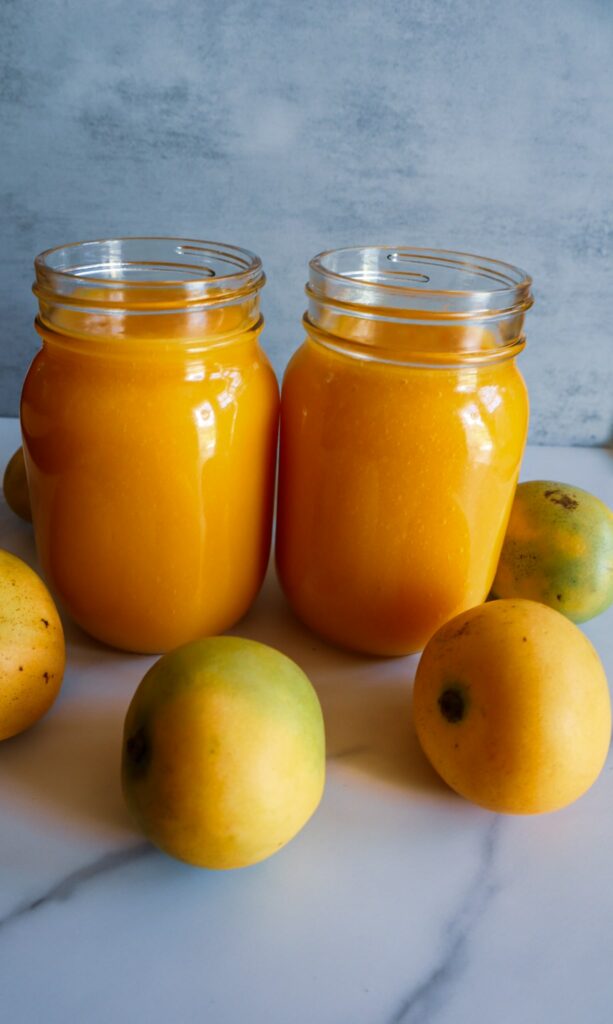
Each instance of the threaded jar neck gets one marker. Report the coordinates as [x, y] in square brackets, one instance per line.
[148, 289]
[417, 306]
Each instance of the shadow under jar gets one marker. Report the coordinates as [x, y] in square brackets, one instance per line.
[403, 424]
[149, 421]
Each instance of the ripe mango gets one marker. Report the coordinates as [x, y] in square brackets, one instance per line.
[32, 650]
[15, 486]
[512, 708]
[223, 753]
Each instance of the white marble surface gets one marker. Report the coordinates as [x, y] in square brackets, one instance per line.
[399, 903]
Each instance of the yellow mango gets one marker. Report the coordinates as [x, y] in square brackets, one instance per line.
[32, 650]
[511, 707]
[224, 752]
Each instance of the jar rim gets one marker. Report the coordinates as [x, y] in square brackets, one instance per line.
[192, 270]
[459, 283]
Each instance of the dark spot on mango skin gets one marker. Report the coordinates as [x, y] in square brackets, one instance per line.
[452, 704]
[558, 597]
[45, 622]
[138, 751]
[46, 677]
[559, 498]
[462, 631]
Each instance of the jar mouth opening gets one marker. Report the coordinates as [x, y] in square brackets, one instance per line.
[147, 272]
[429, 283]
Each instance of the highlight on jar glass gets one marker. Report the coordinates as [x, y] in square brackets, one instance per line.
[403, 424]
[149, 422]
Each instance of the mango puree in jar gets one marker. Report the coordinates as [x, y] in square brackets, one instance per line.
[397, 474]
[150, 444]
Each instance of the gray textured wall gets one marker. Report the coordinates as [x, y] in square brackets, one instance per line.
[290, 127]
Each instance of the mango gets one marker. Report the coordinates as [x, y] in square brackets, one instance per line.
[511, 707]
[32, 649]
[15, 486]
[558, 550]
[224, 752]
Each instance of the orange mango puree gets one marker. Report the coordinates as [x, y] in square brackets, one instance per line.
[395, 488]
[150, 448]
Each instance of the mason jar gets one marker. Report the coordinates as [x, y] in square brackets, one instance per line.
[149, 421]
[403, 424]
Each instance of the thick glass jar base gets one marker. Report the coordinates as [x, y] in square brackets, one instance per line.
[358, 640]
[148, 642]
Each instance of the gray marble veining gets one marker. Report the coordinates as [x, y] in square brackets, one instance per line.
[66, 887]
[420, 1006]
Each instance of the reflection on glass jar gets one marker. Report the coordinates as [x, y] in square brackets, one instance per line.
[149, 420]
[403, 424]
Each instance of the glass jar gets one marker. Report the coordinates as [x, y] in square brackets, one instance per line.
[403, 423]
[149, 422]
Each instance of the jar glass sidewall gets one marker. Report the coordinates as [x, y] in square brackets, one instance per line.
[151, 458]
[395, 487]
